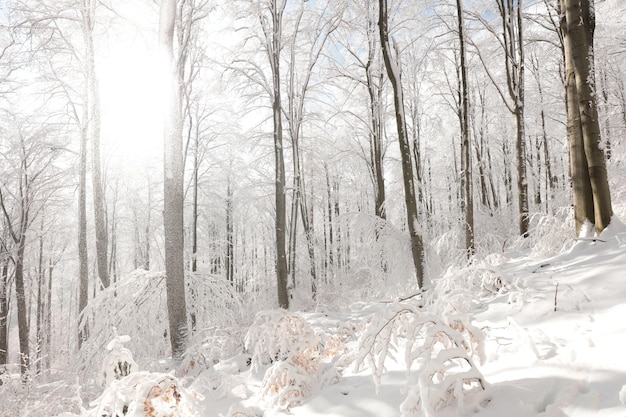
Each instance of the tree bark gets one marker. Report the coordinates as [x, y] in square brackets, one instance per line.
[93, 122]
[376, 135]
[83, 261]
[273, 44]
[392, 64]
[466, 154]
[4, 310]
[579, 41]
[173, 187]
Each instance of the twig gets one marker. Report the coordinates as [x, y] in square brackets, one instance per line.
[556, 291]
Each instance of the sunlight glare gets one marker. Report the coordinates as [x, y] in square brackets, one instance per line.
[131, 98]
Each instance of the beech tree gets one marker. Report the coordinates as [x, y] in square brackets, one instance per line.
[393, 66]
[30, 175]
[466, 154]
[510, 39]
[173, 184]
[313, 35]
[592, 197]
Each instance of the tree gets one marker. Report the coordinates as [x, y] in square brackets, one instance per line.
[271, 20]
[5, 291]
[511, 40]
[30, 165]
[393, 66]
[466, 155]
[298, 89]
[91, 118]
[173, 184]
[578, 30]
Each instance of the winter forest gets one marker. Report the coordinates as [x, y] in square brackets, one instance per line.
[345, 208]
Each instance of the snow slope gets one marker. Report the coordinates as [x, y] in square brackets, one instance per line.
[554, 335]
[539, 362]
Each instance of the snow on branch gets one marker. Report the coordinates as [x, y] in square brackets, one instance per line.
[301, 360]
[441, 348]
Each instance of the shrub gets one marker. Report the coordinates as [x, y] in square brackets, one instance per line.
[145, 394]
[442, 348]
[299, 358]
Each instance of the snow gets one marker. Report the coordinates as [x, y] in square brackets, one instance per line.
[547, 338]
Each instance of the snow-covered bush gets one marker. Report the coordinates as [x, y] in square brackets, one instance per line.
[237, 410]
[119, 362]
[442, 350]
[299, 358]
[209, 346]
[37, 399]
[136, 305]
[145, 394]
[379, 262]
[461, 289]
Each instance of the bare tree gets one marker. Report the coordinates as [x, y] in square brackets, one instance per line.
[393, 66]
[511, 40]
[30, 159]
[173, 185]
[466, 154]
[583, 127]
[324, 23]
[91, 118]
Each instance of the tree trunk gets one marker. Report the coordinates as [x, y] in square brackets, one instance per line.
[20, 295]
[48, 321]
[93, 122]
[392, 64]
[376, 135]
[230, 244]
[4, 312]
[580, 44]
[83, 261]
[173, 188]
[466, 155]
[40, 307]
[273, 50]
[194, 208]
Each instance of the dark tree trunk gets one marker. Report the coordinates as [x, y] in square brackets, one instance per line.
[466, 155]
[392, 64]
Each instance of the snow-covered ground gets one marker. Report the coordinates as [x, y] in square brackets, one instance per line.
[552, 336]
[555, 335]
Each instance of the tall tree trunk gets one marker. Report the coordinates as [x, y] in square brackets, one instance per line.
[330, 258]
[520, 140]
[274, 35]
[41, 276]
[230, 244]
[194, 208]
[581, 183]
[173, 187]
[4, 311]
[580, 43]
[20, 289]
[48, 320]
[93, 122]
[376, 135]
[466, 155]
[393, 66]
[83, 261]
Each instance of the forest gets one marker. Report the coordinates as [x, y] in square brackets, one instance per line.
[259, 208]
